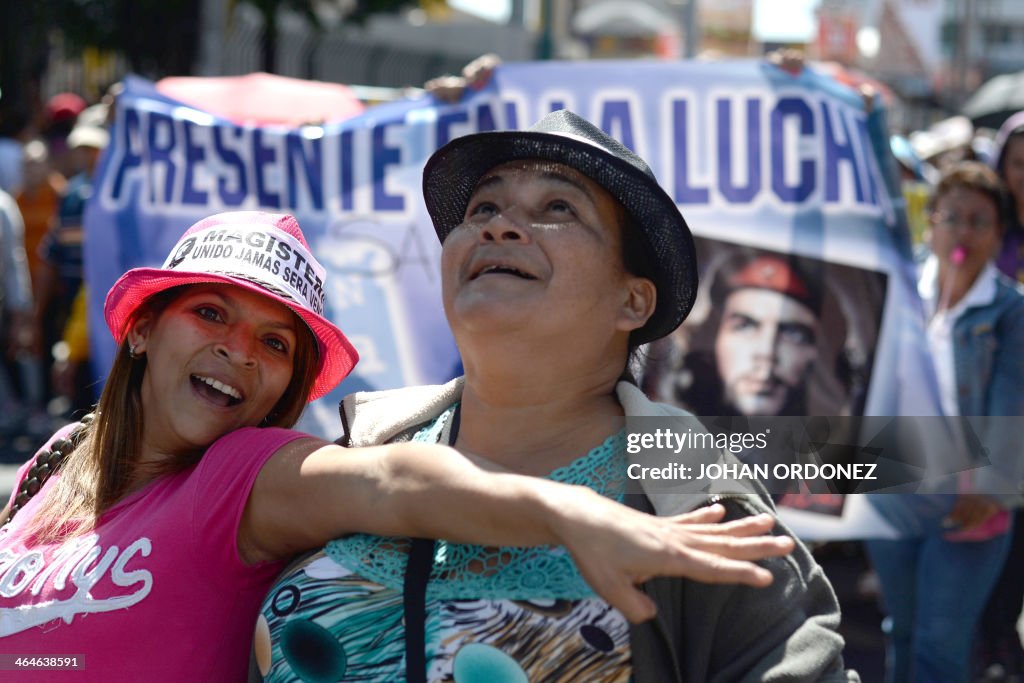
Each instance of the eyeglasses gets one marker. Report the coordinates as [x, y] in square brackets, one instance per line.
[950, 220]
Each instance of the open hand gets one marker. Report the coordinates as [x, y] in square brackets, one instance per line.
[616, 548]
[475, 76]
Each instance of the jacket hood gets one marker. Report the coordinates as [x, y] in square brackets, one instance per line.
[1014, 124]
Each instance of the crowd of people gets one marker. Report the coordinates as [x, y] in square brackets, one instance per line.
[46, 168]
[561, 257]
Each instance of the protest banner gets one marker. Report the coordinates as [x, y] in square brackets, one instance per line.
[759, 160]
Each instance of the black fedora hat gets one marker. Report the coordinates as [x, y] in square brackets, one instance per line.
[452, 173]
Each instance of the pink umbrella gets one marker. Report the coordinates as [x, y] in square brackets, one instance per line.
[262, 99]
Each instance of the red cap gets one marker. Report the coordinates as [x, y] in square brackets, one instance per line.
[769, 272]
[64, 106]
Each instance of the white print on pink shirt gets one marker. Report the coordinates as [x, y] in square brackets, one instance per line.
[81, 561]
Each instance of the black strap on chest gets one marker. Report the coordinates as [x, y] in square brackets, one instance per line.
[414, 594]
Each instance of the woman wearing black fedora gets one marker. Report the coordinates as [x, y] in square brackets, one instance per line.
[561, 255]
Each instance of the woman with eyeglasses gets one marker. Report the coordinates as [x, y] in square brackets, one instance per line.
[935, 581]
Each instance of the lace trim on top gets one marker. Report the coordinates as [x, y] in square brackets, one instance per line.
[464, 571]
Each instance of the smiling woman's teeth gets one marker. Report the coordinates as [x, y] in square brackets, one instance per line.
[507, 270]
[221, 387]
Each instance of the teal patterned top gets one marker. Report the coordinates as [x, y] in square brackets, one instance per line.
[478, 572]
[493, 615]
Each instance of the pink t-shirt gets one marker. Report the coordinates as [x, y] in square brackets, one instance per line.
[157, 592]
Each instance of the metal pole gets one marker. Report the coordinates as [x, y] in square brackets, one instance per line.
[963, 66]
[213, 26]
[545, 43]
[691, 28]
[517, 13]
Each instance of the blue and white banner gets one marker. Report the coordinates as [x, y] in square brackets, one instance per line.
[757, 159]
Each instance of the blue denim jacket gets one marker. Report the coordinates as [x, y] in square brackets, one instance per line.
[988, 357]
[988, 354]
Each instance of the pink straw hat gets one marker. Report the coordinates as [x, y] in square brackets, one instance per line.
[263, 252]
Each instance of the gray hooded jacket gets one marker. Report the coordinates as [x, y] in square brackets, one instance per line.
[702, 632]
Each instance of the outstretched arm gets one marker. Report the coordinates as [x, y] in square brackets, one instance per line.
[309, 493]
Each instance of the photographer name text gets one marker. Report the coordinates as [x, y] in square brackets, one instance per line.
[784, 471]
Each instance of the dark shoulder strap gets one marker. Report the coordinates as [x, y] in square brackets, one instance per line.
[414, 597]
[414, 603]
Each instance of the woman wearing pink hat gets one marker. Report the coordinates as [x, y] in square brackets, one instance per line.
[140, 542]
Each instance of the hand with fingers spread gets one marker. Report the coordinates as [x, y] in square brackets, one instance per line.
[616, 549]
